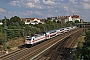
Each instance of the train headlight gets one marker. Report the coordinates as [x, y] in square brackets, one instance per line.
[70, 52]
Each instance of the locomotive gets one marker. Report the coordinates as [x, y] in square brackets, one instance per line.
[37, 38]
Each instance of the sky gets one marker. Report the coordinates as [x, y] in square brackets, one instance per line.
[45, 8]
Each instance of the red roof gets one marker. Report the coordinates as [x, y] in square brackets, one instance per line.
[22, 18]
[32, 18]
[75, 16]
[41, 20]
[67, 17]
[28, 18]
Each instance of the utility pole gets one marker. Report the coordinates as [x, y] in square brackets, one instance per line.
[5, 35]
[23, 31]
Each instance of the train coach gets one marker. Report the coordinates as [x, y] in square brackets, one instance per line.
[70, 28]
[74, 27]
[59, 31]
[51, 34]
[37, 38]
[30, 41]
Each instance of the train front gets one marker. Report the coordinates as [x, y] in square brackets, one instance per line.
[28, 42]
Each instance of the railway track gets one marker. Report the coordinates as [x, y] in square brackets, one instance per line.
[33, 52]
[63, 48]
[71, 43]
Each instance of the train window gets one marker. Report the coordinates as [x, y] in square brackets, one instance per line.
[67, 28]
[28, 38]
[52, 32]
[60, 30]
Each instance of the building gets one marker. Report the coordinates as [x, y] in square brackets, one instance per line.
[75, 17]
[1, 23]
[71, 18]
[52, 18]
[32, 21]
[65, 19]
[81, 20]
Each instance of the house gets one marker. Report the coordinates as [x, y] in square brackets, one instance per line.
[51, 18]
[75, 17]
[81, 20]
[72, 18]
[32, 20]
[68, 18]
[65, 19]
[1, 23]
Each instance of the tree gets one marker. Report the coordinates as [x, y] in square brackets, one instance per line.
[14, 27]
[59, 24]
[86, 47]
[70, 23]
[54, 21]
[50, 24]
[1, 38]
[16, 21]
[7, 22]
[77, 21]
[41, 27]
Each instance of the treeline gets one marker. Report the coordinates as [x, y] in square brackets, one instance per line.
[17, 28]
[85, 52]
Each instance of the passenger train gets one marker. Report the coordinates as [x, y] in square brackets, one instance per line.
[37, 38]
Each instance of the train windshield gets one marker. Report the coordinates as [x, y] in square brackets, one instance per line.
[68, 28]
[28, 38]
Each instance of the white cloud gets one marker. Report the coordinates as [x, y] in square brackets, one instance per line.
[49, 15]
[48, 7]
[26, 13]
[86, 6]
[86, 0]
[29, 4]
[15, 3]
[19, 14]
[66, 8]
[50, 2]
[36, 1]
[73, 1]
[2, 10]
[38, 13]
[56, 10]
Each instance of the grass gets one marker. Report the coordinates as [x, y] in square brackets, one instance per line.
[81, 41]
[13, 44]
[80, 45]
